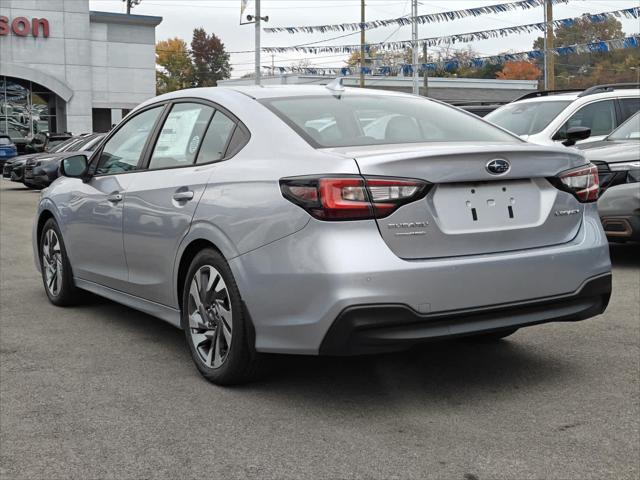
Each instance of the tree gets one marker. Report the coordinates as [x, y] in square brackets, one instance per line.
[176, 70]
[520, 70]
[586, 69]
[210, 60]
[583, 31]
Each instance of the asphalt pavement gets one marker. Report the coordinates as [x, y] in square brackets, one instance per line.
[102, 391]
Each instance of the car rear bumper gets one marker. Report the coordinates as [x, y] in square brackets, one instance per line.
[296, 288]
[366, 329]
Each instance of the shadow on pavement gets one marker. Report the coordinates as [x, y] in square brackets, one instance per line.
[454, 372]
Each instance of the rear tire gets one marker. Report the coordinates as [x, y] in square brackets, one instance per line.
[216, 328]
[491, 336]
[57, 275]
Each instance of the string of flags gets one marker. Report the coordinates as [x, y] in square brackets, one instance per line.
[633, 12]
[632, 41]
[420, 19]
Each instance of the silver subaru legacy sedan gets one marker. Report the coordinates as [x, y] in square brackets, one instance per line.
[323, 220]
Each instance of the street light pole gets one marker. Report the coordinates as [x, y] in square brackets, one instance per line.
[257, 52]
[362, 40]
[414, 46]
[549, 60]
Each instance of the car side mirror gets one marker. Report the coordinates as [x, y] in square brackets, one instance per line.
[74, 167]
[575, 134]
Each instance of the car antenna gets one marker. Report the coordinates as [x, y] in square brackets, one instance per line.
[335, 85]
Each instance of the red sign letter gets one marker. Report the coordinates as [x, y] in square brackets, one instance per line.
[20, 26]
[4, 25]
[36, 23]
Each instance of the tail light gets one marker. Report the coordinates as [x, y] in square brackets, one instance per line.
[583, 183]
[351, 197]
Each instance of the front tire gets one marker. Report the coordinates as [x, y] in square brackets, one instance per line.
[56, 270]
[215, 326]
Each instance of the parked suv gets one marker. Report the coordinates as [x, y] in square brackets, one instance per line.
[618, 160]
[546, 117]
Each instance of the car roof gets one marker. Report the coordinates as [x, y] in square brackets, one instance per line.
[572, 96]
[274, 91]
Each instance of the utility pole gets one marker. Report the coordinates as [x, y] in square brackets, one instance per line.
[257, 52]
[414, 46]
[549, 59]
[362, 40]
[426, 71]
[256, 19]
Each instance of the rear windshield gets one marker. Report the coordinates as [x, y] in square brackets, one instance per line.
[333, 121]
[526, 118]
[5, 141]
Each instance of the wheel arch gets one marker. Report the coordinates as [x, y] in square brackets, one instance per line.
[187, 256]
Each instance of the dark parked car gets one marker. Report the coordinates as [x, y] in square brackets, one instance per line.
[618, 161]
[44, 142]
[41, 170]
[14, 168]
[7, 149]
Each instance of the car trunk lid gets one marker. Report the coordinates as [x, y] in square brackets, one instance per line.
[468, 210]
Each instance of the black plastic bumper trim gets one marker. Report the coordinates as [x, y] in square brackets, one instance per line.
[378, 328]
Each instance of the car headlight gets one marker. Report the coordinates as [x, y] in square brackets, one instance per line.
[624, 166]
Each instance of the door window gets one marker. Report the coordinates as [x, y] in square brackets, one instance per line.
[122, 152]
[216, 139]
[629, 107]
[600, 117]
[181, 136]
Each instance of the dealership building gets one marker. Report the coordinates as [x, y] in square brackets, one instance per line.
[64, 67]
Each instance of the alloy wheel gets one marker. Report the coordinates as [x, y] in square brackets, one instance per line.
[210, 316]
[52, 262]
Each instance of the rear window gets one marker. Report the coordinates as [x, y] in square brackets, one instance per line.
[333, 121]
[526, 118]
[5, 141]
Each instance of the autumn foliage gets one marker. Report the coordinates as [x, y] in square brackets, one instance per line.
[519, 70]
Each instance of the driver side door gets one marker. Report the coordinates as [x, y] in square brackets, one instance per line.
[94, 214]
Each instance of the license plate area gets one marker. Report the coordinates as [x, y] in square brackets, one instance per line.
[488, 206]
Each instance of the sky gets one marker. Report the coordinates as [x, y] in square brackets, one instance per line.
[222, 17]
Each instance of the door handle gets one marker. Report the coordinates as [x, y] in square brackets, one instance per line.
[183, 196]
[115, 197]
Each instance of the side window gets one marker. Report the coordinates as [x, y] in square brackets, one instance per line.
[216, 139]
[180, 136]
[629, 107]
[600, 117]
[238, 140]
[122, 152]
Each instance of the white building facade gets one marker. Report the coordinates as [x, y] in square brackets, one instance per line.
[66, 68]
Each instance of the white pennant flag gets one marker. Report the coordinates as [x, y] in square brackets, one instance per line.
[243, 6]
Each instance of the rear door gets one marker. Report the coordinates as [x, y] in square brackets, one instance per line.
[162, 200]
[468, 209]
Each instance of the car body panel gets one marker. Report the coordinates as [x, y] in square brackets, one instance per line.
[92, 227]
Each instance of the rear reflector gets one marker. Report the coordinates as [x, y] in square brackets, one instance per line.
[583, 183]
[351, 197]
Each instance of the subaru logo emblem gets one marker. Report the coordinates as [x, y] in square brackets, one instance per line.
[498, 166]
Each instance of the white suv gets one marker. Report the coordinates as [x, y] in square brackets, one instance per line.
[546, 117]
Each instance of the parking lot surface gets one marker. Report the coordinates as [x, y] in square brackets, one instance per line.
[102, 391]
